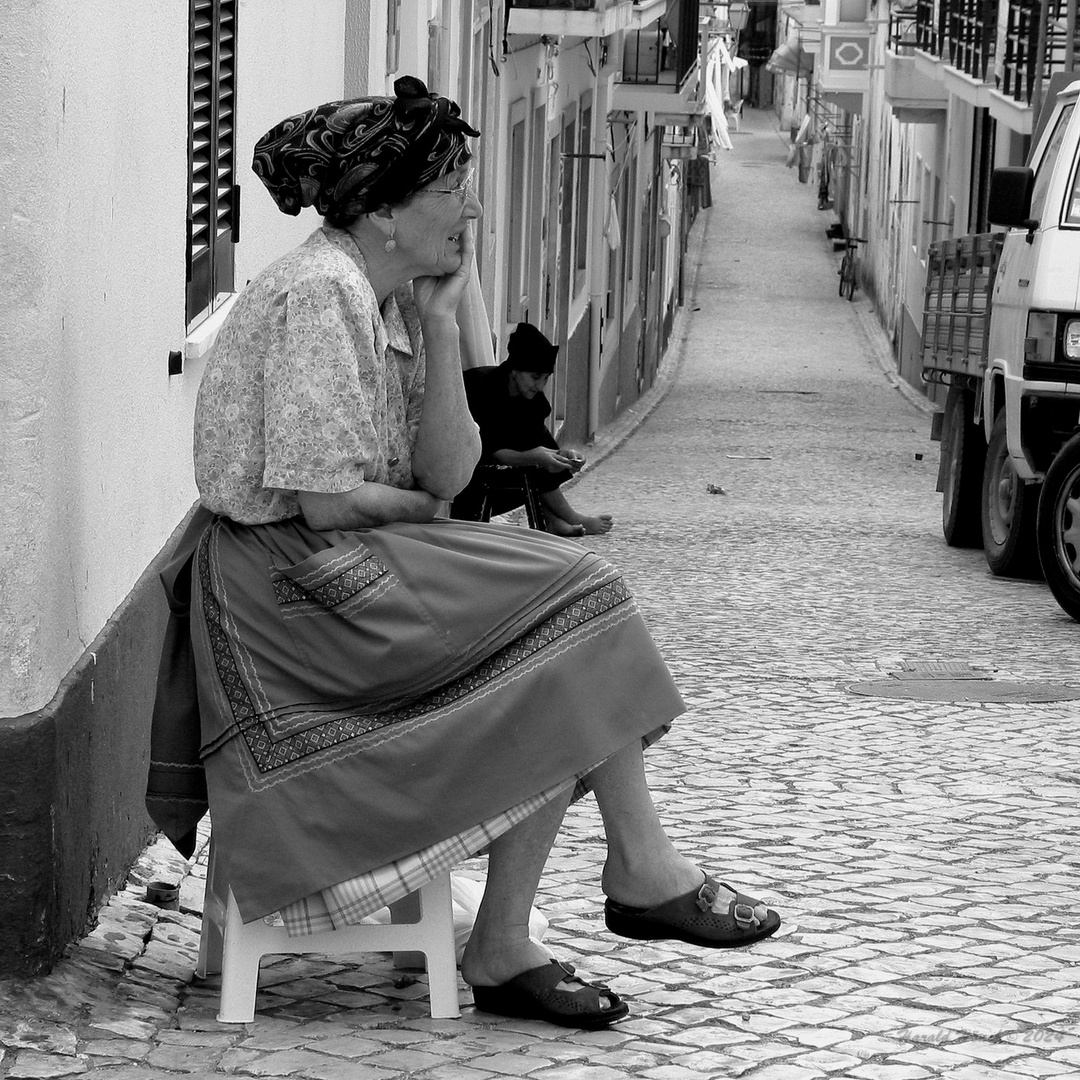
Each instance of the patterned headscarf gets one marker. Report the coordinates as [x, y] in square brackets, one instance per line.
[351, 157]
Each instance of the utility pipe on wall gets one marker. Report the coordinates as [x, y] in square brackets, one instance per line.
[598, 260]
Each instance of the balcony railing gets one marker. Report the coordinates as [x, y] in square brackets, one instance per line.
[902, 32]
[972, 32]
[963, 33]
[664, 53]
[1024, 70]
[1021, 50]
[567, 5]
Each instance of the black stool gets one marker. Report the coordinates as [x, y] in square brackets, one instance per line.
[488, 480]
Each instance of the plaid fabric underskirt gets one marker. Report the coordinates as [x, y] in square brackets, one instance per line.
[352, 901]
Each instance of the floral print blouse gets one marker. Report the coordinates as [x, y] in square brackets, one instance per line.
[309, 386]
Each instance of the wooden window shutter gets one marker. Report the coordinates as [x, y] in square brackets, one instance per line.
[213, 194]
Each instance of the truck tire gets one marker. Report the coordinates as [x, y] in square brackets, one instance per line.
[1009, 509]
[963, 449]
[1058, 528]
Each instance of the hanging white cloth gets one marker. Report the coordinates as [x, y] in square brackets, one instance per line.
[612, 232]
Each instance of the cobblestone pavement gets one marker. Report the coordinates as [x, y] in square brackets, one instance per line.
[921, 850]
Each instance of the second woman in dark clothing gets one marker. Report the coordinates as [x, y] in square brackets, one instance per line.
[509, 406]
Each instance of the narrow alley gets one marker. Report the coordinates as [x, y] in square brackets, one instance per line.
[777, 520]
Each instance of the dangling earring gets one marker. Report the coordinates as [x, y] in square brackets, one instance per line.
[390, 244]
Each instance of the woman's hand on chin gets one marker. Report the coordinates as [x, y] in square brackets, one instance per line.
[438, 296]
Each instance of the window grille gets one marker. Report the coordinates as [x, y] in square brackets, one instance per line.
[213, 195]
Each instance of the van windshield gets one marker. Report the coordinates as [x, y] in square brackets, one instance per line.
[1045, 168]
[1072, 205]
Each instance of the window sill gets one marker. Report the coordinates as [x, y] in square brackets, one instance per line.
[200, 340]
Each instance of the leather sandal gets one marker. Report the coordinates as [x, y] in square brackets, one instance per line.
[535, 995]
[700, 917]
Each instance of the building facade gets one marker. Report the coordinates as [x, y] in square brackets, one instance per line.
[909, 106]
[131, 221]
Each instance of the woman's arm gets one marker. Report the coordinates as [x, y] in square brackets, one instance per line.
[367, 507]
[541, 456]
[447, 441]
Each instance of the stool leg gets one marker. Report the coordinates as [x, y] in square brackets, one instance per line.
[438, 908]
[239, 971]
[213, 922]
[533, 510]
[407, 910]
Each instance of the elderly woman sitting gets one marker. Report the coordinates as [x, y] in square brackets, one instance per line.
[383, 691]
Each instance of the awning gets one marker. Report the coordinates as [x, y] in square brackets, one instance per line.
[790, 59]
[851, 102]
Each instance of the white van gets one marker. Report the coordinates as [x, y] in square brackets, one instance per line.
[1027, 400]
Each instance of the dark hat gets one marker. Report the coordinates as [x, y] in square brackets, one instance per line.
[528, 350]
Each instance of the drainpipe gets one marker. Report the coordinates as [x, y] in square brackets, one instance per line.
[598, 256]
[1040, 59]
[1070, 38]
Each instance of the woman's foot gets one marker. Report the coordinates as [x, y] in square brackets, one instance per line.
[597, 525]
[709, 913]
[663, 880]
[560, 527]
[651, 880]
[489, 962]
[585, 525]
[555, 994]
[506, 975]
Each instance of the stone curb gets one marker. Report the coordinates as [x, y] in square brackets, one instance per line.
[882, 350]
[610, 438]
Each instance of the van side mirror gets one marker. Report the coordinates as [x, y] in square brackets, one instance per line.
[1009, 203]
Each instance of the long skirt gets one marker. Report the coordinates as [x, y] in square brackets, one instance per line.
[371, 697]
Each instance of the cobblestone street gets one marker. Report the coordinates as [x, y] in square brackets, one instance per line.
[918, 839]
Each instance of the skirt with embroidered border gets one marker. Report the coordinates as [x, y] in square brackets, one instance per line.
[379, 704]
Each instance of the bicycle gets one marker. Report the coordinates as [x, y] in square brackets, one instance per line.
[849, 267]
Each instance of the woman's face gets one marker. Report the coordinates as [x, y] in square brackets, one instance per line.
[430, 224]
[527, 384]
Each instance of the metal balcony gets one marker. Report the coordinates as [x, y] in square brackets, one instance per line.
[1040, 40]
[913, 96]
[660, 64]
[960, 32]
[569, 18]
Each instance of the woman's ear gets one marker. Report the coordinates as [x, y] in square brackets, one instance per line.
[383, 220]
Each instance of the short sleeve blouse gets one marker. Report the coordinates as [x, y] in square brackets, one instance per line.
[310, 386]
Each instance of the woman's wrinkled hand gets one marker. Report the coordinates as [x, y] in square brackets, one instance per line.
[438, 297]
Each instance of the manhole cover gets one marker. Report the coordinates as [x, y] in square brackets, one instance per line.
[964, 689]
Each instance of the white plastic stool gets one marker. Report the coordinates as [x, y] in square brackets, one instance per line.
[423, 923]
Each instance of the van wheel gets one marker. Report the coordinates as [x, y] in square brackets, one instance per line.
[964, 450]
[1058, 528]
[1008, 511]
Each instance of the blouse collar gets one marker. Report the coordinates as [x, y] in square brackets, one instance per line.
[393, 331]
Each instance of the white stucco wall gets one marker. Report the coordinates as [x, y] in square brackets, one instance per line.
[95, 437]
[88, 154]
[286, 64]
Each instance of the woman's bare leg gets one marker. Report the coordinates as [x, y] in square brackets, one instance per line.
[500, 946]
[643, 868]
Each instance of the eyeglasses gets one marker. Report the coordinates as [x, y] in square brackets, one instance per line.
[462, 191]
